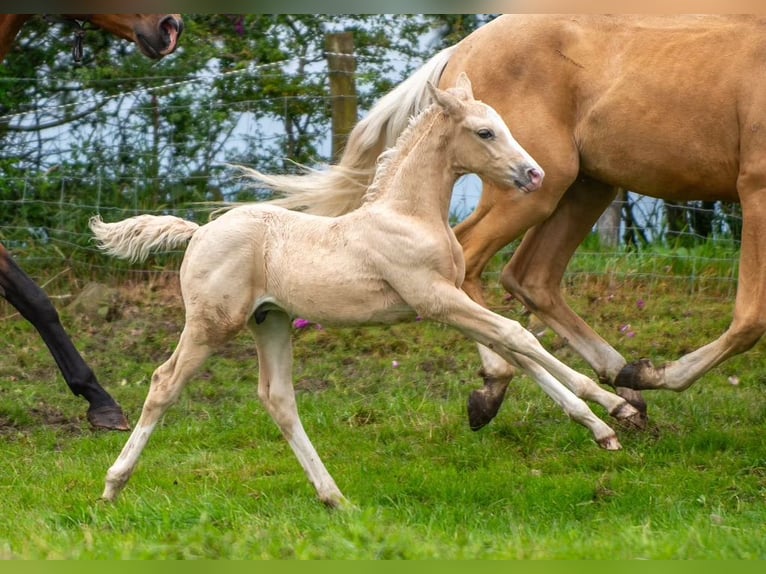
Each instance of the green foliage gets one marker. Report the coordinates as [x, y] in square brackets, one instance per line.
[121, 134]
[711, 263]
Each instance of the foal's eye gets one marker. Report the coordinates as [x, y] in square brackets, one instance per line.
[485, 134]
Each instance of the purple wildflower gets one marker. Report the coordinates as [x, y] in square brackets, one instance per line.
[627, 331]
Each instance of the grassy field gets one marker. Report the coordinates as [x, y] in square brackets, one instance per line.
[385, 408]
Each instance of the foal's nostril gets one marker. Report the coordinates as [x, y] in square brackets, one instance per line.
[535, 176]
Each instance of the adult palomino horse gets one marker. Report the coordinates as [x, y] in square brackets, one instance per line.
[156, 35]
[258, 265]
[672, 107]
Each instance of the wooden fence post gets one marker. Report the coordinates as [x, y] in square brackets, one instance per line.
[339, 48]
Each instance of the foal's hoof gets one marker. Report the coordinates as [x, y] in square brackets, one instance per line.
[609, 443]
[337, 501]
[630, 417]
[634, 397]
[482, 408]
[108, 417]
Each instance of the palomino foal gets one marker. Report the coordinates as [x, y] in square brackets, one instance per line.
[259, 265]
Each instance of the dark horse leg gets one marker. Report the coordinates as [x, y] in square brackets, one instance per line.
[35, 306]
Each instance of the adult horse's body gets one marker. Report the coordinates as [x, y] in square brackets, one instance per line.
[156, 35]
[671, 106]
[256, 265]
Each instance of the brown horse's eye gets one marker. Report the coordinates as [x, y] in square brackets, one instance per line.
[485, 134]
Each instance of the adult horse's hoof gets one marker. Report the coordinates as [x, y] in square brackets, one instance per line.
[108, 417]
[639, 376]
[484, 403]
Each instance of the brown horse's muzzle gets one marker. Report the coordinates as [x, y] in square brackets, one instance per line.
[162, 41]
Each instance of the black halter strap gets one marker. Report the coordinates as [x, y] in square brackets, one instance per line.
[79, 36]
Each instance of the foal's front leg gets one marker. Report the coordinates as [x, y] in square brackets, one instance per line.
[443, 302]
[276, 392]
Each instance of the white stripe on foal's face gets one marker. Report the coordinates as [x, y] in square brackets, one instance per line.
[517, 146]
[528, 163]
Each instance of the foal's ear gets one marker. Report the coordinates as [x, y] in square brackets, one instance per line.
[464, 84]
[449, 103]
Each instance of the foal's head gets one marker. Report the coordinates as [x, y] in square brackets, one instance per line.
[482, 143]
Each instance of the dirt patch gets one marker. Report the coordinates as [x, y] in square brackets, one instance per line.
[40, 416]
[311, 385]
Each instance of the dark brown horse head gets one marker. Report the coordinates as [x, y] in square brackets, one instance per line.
[156, 35]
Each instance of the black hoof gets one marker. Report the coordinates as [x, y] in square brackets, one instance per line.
[109, 417]
[631, 376]
[482, 408]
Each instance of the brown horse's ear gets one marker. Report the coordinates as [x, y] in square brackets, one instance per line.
[463, 84]
[448, 102]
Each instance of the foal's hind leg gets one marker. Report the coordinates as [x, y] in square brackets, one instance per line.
[35, 306]
[275, 389]
[168, 381]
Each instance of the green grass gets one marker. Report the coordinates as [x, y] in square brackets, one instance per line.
[217, 480]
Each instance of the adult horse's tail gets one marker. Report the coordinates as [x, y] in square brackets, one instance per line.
[134, 238]
[340, 188]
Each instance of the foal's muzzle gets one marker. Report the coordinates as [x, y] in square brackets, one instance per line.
[531, 180]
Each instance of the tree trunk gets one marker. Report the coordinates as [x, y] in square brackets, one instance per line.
[675, 214]
[608, 225]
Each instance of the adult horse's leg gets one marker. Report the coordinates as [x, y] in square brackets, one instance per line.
[537, 267]
[275, 390]
[35, 306]
[167, 383]
[749, 321]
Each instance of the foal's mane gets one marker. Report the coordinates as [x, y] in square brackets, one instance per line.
[389, 160]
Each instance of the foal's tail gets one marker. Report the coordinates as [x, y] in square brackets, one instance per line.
[341, 187]
[134, 238]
